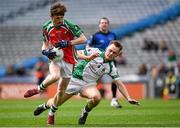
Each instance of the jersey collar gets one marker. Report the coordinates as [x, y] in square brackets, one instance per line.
[103, 56]
[57, 27]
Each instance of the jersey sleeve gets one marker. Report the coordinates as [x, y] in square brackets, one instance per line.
[76, 30]
[45, 37]
[115, 37]
[114, 72]
[89, 51]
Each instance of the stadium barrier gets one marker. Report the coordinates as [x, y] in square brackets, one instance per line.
[16, 91]
[170, 13]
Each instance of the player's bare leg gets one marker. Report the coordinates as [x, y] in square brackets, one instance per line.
[51, 118]
[58, 99]
[41, 108]
[53, 76]
[94, 97]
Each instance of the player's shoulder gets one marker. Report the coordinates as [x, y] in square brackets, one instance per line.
[73, 27]
[47, 24]
[112, 33]
[97, 33]
[68, 22]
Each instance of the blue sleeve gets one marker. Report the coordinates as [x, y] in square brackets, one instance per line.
[115, 37]
[90, 41]
[80, 46]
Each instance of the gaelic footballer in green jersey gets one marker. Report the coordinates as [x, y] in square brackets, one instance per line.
[89, 72]
[85, 75]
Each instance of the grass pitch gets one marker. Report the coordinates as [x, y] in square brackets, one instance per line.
[151, 113]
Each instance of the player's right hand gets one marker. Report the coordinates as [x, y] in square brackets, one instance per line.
[49, 53]
[133, 101]
[62, 44]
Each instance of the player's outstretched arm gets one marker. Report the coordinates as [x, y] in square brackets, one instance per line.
[125, 93]
[80, 40]
[81, 55]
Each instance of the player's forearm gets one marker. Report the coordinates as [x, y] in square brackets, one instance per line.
[80, 40]
[44, 46]
[82, 56]
[122, 89]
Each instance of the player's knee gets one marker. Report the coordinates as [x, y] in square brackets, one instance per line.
[97, 98]
[55, 76]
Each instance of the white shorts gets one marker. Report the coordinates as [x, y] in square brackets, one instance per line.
[76, 85]
[106, 79]
[66, 69]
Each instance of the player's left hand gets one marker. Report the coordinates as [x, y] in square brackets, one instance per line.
[49, 53]
[133, 101]
[93, 55]
[62, 44]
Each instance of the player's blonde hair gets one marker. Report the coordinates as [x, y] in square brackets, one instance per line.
[117, 44]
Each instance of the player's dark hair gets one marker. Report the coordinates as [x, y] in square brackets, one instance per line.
[57, 9]
[104, 18]
[117, 44]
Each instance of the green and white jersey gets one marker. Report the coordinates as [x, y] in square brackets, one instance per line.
[91, 71]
